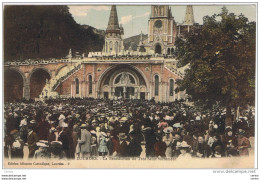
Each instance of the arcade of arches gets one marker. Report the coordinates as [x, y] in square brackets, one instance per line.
[15, 84]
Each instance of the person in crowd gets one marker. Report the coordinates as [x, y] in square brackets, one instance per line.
[43, 129]
[43, 151]
[114, 143]
[217, 142]
[175, 147]
[56, 150]
[243, 143]
[17, 145]
[67, 141]
[32, 140]
[184, 151]
[84, 143]
[168, 139]
[230, 143]
[218, 152]
[159, 146]
[102, 149]
[75, 126]
[123, 147]
[94, 148]
[201, 149]
[134, 146]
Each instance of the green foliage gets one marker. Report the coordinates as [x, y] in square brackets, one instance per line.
[44, 32]
[221, 59]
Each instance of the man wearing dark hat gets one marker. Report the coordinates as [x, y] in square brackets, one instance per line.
[17, 145]
[32, 140]
[134, 147]
[43, 129]
[150, 140]
[123, 147]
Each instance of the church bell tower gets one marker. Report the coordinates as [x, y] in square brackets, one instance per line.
[162, 29]
[114, 35]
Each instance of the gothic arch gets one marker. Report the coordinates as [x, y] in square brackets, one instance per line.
[106, 72]
[136, 79]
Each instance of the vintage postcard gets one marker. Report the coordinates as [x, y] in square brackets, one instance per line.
[129, 85]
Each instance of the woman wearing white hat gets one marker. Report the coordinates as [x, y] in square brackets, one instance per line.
[168, 139]
[184, 149]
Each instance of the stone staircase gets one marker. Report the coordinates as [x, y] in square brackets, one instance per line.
[51, 85]
[174, 70]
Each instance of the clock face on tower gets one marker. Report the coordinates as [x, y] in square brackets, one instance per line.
[158, 24]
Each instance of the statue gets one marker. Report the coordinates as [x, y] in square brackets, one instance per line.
[124, 78]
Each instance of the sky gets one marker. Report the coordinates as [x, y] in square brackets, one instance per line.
[134, 18]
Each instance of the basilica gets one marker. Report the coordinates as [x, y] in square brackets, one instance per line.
[149, 72]
[146, 72]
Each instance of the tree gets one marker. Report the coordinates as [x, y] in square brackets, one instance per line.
[45, 31]
[221, 60]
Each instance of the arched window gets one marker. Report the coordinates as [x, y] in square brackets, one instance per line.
[90, 84]
[116, 47]
[172, 51]
[110, 46]
[106, 47]
[158, 49]
[171, 87]
[156, 88]
[77, 85]
[168, 51]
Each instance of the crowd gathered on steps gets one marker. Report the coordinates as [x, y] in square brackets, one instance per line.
[78, 128]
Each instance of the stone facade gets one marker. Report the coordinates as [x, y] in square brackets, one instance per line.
[105, 74]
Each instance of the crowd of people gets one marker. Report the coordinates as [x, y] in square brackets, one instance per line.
[82, 128]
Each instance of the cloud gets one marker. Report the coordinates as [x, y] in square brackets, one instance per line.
[142, 15]
[83, 10]
[126, 19]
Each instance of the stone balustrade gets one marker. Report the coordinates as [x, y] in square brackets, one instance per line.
[37, 62]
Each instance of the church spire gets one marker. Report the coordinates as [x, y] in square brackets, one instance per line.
[189, 17]
[141, 38]
[113, 19]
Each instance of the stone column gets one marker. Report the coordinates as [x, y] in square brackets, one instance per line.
[26, 86]
[137, 92]
[124, 92]
[112, 93]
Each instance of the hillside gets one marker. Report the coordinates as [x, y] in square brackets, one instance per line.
[45, 32]
[134, 41]
[96, 31]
